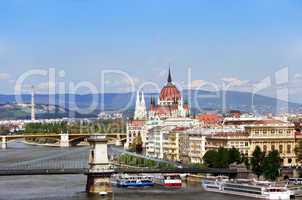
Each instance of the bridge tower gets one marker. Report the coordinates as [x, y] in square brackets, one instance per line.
[3, 142]
[64, 139]
[98, 176]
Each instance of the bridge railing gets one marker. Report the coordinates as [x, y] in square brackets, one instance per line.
[71, 159]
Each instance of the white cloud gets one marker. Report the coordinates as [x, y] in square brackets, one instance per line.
[233, 81]
[4, 76]
[195, 84]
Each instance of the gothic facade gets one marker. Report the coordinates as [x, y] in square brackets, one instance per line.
[169, 105]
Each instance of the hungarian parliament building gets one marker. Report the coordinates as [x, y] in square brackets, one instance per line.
[168, 130]
[168, 109]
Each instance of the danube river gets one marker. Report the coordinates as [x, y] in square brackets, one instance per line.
[72, 187]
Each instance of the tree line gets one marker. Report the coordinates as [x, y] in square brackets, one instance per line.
[143, 162]
[223, 157]
[98, 126]
[56, 127]
[266, 164]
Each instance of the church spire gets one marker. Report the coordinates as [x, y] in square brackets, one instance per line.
[143, 100]
[140, 107]
[169, 77]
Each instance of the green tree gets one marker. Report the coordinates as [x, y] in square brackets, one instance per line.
[223, 158]
[272, 165]
[209, 158]
[196, 165]
[234, 156]
[257, 161]
[56, 127]
[246, 161]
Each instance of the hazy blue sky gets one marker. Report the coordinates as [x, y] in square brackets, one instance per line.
[245, 40]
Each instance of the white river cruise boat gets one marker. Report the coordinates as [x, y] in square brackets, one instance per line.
[248, 189]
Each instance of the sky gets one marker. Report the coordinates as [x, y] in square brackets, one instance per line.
[237, 42]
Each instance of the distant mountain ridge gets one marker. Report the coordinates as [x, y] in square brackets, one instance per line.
[199, 100]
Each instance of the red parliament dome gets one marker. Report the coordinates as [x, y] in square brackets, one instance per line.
[169, 91]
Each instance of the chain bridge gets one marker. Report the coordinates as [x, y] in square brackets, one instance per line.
[92, 161]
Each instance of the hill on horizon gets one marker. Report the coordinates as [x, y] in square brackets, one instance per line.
[200, 101]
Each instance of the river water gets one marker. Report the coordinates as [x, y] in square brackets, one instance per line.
[72, 187]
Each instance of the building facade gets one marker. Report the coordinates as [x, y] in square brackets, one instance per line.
[134, 129]
[274, 137]
[157, 138]
[169, 110]
[277, 136]
[192, 145]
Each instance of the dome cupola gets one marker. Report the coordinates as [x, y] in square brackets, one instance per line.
[169, 92]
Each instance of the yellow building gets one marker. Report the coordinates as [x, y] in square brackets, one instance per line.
[277, 136]
[171, 144]
[179, 144]
[239, 140]
[281, 137]
[189, 143]
[192, 145]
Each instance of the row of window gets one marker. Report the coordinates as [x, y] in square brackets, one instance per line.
[272, 131]
[289, 160]
[246, 144]
[280, 149]
[134, 128]
[133, 135]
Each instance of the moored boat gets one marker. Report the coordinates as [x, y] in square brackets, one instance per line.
[134, 181]
[169, 180]
[248, 189]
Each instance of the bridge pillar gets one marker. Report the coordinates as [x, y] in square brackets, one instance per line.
[3, 143]
[64, 140]
[118, 140]
[99, 173]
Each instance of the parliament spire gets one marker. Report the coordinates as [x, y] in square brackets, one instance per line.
[169, 77]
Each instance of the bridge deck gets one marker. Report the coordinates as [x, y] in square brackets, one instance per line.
[57, 135]
[16, 172]
[19, 172]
